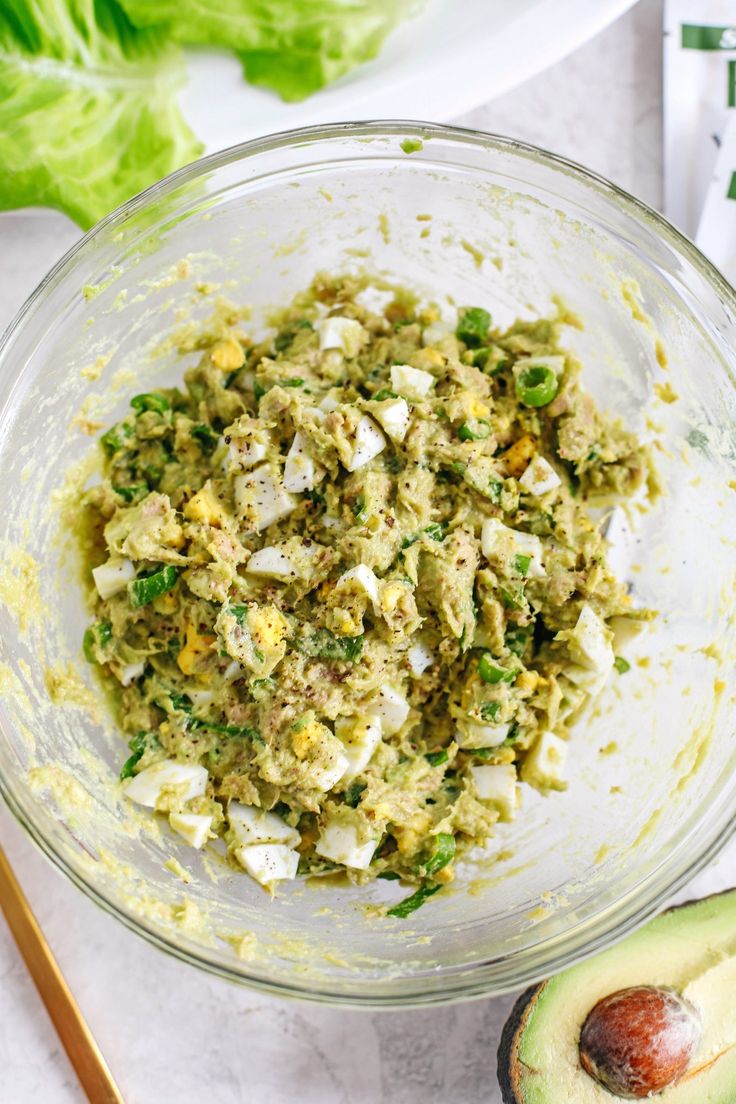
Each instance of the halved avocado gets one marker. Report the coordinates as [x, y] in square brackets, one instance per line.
[691, 949]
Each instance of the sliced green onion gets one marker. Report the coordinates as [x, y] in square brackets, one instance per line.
[153, 475]
[353, 793]
[149, 587]
[436, 531]
[383, 394]
[206, 437]
[536, 385]
[138, 745]
[490, 710]
[262, 688]
[150, 400]
[114, 438]
[495, 490]
[513, 735]
[436, 758]
[132, 491]
[295, 381]
[322, 644]
[516, 641]
[490, 359]
[473, 326]
[622, 665]
[286, 336]
[490, 671]
[96, 636]
[411, 904]
[180, 701]
[259, 390]
[513, 598]
[521, 564]
[442, 853]
[412, 145]
[482, 753]
[227, 730]
[359, 508]
[477, 429]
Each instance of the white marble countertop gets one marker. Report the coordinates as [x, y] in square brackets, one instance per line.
[170, 1033]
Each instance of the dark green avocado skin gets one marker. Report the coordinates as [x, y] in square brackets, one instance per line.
[508, 1046]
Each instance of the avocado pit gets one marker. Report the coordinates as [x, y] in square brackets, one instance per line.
[638, 1041]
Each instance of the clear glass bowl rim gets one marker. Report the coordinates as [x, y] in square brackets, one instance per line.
[487, 978]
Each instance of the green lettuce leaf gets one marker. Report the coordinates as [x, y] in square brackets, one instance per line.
[293, 47]
[88, 112]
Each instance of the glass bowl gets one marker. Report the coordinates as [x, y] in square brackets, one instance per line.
[652, 778]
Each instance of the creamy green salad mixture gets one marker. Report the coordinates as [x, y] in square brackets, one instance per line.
[347, 588]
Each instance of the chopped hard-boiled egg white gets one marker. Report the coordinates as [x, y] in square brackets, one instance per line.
[472, 734]
[360, 736]
[186, 780]
[112, 577]
[589, 643]
[200, 697]
[345, 334]
[339, 843]
[496, 783]
[325, 776]
[192, 827]
[367, 444]
[260, 497]
[245, 451]
[268, 862]
[393, 415]
[420, 657]
[392, 708]
[300, 471]
[544, 765]
[539, 478]
[413, 383]
[233, 671]
[434, 332]
[585, 677]
[362, 578]
[328, 404]
[251, 825]
[131, 671]
[272, 563]
[500, 543]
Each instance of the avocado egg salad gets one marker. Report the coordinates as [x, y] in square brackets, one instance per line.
[348, 593]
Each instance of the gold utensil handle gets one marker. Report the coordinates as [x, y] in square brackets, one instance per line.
[79, 1042]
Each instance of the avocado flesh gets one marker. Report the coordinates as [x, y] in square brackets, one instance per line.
[691, 949]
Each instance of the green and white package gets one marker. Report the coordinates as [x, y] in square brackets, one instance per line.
[699, 93]
[717, 229]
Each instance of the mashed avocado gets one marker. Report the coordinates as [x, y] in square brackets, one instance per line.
[348, 591]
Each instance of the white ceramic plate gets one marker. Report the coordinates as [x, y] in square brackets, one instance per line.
[455, 55]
